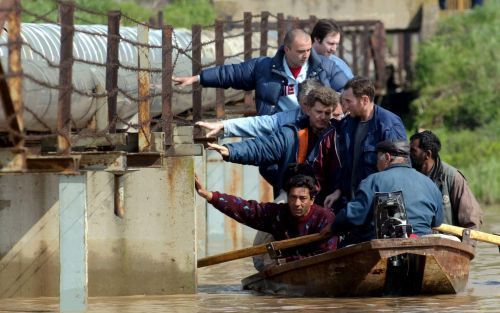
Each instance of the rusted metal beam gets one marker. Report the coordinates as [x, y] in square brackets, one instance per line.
[112, 64]
[264, 28]
[15, 80]
[196, 69]
[111, 161]
[12, 160]
[166, 81]
[49, 142]
[53, 164]
[247, 49]
[147, 159]
[219, 60]
[66, 12]
[143, 83]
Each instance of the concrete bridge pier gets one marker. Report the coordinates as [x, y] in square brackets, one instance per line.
[60, 233]
[73, 281]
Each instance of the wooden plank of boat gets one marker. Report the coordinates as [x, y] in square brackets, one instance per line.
[379, 267]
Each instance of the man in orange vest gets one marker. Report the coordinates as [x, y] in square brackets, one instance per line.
[293, 143]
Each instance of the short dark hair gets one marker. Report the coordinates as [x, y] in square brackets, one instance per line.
[428, 141]
[303, 181]
[292, 34]
[326, 95]
[361, 86]
[324, 27]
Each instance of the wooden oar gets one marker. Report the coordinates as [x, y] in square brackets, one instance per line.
[474, 234]
[255, 250]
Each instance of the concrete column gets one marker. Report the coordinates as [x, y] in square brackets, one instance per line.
[73, 243]
[200, 168]
[152, 249]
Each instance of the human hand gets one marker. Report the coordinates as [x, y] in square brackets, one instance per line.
[201, 190]
[214, 128]
[184, 81]
[331, 198]
[222, 150]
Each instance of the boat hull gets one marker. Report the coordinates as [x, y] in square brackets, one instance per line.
[380, 267]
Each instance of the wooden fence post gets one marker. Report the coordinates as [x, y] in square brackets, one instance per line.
[112, 64]
[281, 28]
[196, 69]
[378, 46]
[14, 107]
[264, 28]
[365, 44]
[219, 60]
[312, 22]
[247, 33]
[143, 85]
[65, 79]
[354, 47]
[166, 81]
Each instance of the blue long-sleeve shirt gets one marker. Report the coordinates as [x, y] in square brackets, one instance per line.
[422, 201]
[264, 125]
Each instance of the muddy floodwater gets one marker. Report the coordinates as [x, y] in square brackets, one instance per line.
[220, 291]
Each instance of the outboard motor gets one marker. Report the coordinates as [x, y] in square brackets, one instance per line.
[390, 215]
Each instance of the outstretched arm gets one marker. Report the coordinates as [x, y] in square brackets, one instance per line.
[208, 195]
[214, 128]
[222, 150]
[185, 81]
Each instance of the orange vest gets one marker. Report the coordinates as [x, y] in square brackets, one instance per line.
[303, 141]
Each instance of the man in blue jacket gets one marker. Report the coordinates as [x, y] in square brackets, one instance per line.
[357, 135]
[422, 199]
[293, 143]
[326, 39]
[275, 80]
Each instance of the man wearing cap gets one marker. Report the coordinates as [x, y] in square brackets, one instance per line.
[422, 198]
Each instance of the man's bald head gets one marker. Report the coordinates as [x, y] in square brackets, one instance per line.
[297, 48]
[293, 35]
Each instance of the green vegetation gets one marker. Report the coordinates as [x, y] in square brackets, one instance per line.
[184, 13]
[180, 13]
[458, 77]
[128, 8]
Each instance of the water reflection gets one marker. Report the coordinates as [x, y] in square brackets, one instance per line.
[220, 291]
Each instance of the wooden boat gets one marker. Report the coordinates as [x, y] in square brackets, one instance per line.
[391, 267]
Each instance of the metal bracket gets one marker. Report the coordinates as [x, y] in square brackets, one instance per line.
[466, 236]
[273, 253]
